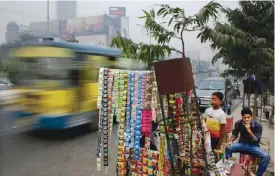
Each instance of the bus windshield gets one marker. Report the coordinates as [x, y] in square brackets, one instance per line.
[44, 72]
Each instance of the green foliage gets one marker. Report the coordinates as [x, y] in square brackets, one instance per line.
[11, 70]
[246, 42]
[140, 51]
[10, 66]
[28, 38]
[177, 20]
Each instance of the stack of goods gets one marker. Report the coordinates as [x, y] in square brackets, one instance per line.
[132, 97]
[106, 77]
[164, 165]
[147, 163]
[186, 153]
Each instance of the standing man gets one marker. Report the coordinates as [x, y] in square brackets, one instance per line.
[236, 86]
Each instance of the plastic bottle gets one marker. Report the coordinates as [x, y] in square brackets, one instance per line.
[228, 109]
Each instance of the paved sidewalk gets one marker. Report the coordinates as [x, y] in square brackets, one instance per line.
[268, 133]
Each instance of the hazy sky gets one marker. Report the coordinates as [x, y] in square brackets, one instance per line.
[24, 12]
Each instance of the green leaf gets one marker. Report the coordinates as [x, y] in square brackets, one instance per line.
[170, 21]
[142, 17]
[146, 13]
[260, 41]
[152, 13]
[165, 14]
[161, 11]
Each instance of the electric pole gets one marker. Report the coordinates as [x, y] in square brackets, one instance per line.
[48, 17]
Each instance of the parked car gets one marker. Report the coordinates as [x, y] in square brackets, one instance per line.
[6, 93]
[214, 84]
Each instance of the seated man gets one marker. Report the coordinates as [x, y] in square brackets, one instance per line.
[250, 136]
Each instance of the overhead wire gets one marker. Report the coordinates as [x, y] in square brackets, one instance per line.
[21, 12]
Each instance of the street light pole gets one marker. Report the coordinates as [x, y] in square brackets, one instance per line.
[48, 17]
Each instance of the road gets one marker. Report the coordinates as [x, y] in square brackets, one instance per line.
[65, 153]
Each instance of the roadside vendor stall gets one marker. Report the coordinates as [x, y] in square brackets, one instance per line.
[160, 128]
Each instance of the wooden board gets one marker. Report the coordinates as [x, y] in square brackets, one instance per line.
[174, 76]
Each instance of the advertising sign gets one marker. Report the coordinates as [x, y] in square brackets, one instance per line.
[118, 11]
[85, 25]
[63, 30]
[95, 40]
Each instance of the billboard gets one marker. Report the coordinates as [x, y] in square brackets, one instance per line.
[124, 27]
[85, 25]
[117, 11]
[95, 40]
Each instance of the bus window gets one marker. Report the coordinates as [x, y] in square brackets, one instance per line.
[74, 77]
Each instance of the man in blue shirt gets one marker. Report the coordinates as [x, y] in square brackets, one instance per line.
[250, 135]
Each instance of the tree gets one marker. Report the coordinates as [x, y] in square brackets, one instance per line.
[10, 66]
[177, 20]
[28, 38]
[246, 42]
[72, 39]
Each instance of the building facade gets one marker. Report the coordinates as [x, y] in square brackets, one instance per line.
[96, 30]
[13, 32]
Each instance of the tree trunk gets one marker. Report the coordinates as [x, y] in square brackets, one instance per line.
[183, 44]
[183, 49]
[149, 65]
[255, 107]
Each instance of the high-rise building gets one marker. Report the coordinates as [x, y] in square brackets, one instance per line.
[66, 9]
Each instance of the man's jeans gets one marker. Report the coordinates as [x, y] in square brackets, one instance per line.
[251, 150]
